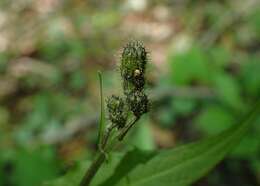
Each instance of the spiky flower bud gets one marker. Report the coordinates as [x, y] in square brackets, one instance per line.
[133, 64]
[117, 110]
[138, 103]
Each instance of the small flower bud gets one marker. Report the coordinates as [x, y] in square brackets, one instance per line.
[117, 111]
[133, 63]
[138, 103]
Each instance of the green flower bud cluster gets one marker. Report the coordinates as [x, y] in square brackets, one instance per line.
[133, 65]
[132, 68]
[117, 111]
[138, 103]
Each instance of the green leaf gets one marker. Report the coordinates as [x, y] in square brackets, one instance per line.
[102, 111]
[71, 178]
[135, 156]
[189, 67]
[250, 76]
[143, 138]
[77, 80]
[183, 106]
[33, 167]
[247, 148]
[220, 56]
[254, 20]
[228, 90]
[74, 177]
[184, 165]
[214, 119]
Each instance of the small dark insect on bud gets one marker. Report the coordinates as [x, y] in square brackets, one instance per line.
[117, 110]
[138, 103]
[133, 64]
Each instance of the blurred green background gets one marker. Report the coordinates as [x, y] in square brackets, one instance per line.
[203, 74]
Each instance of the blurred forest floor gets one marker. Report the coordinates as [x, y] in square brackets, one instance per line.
[203, 74]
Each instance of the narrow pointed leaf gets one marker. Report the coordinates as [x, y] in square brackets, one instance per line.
[102, 110]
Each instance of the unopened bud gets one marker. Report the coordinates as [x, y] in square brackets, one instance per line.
[133, 64]
[117, 111]
[138, 103]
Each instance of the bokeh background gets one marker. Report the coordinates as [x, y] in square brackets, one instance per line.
[203, 74]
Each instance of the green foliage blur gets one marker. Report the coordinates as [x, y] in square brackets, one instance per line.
[203, 75]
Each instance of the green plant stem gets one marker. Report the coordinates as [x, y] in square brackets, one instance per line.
[127, 128]
[100, 158]
[105, 139]
[106, 148]
[91, 172]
